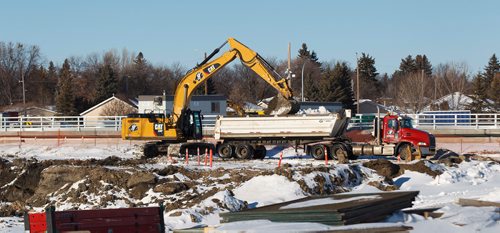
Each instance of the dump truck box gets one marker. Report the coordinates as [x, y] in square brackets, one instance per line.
[294, 126]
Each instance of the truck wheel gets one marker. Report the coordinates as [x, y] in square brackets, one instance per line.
[244, 151]
[339, 153]
[150, 150]
[318, 152]
[225, 151]
[260, 152]
[404, 152]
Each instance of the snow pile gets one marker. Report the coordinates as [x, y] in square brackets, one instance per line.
[233, 204]
[456, 219]
[71, 150]
[472, 173]
[265, 190]
[315, 111]
[473, 180]
[268, 226]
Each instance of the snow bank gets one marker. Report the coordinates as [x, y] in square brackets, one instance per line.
[70, 151]
[266, 190]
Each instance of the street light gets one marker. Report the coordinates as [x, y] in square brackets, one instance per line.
[302, 90]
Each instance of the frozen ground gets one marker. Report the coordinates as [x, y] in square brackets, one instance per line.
[475, 179]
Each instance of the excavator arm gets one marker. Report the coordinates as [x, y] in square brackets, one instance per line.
[249, 58]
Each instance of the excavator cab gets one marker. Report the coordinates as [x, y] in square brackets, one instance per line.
[190, 125]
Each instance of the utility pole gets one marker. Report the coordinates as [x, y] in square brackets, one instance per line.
[302, 89]
[422, 91]
[289, 67]
[357, 84]
[21, 72]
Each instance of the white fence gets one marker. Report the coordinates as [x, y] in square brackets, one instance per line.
[440, 121]
[113, 123]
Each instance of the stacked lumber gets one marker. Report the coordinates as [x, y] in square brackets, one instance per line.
[337, 209]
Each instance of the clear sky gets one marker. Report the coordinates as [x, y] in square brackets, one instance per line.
[181, 31]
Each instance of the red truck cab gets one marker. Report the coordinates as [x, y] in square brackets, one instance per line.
[398, 130]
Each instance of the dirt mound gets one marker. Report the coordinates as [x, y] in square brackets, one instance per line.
[421, 166]
[111, 182]
[444, 153]
[384, 168]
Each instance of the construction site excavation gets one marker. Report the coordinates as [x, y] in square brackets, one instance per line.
[232, 140]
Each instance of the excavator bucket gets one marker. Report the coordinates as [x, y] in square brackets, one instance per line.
[279, 105]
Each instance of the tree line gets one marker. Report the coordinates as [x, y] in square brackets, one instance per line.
[81, 82]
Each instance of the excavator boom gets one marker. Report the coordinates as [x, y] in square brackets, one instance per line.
[249, 58]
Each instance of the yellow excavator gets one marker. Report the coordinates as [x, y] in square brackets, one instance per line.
[184, 124]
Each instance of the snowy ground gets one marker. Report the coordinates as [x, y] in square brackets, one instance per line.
[475, 179]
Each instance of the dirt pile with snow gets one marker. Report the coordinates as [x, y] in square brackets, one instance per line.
[195, 195]
[113, 182]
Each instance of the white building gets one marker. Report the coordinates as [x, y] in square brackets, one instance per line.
[207, 104]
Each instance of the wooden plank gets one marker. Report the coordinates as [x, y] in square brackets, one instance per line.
[426, 212]
[477, 203]
[390, 229]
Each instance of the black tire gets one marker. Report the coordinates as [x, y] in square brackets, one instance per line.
[150, 150]
[340, 153]
[404, 151]
[225, 151]
[244, 151]
[260, 152]
[318, 152]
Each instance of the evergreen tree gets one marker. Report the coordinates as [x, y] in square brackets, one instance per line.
[422, 63]
[338, 85]
[311, 90]
[140, 82]
[408, 65]
[45, 89]
[305, 54]
[140, 60]
[107, 83]
[51, 82]
[490, 70]
[369, 85]
[65, 100]
[211, 90]
[479, 98]
[495, 91]
[312, 73]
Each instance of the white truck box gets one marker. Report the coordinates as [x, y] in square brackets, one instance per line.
[295, 126]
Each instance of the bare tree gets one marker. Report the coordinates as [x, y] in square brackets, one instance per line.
[451, 78]
[412, 90]
[16, 63]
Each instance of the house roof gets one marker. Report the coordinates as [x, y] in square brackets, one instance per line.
[103, 103]
[193, 98]
[42, 109]
[455, 100]
[370, 106]
[20, 108]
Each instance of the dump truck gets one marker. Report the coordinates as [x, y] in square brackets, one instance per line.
[320, 135]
